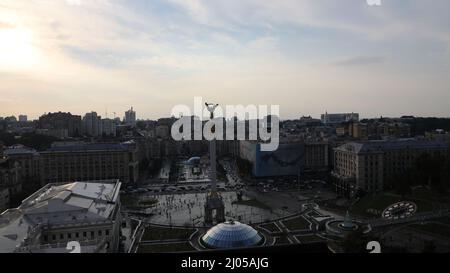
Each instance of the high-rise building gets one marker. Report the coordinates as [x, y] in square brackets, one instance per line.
[85, 212]
[108, 127]
[130, 117]
[23, 118]
[92, 124]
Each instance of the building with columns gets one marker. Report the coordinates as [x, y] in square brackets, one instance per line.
[369, 165]
[90, 161]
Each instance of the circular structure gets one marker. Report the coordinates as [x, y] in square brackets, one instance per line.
[400, 210]
[231, 235]
[193, 161]
[348, 226]
[343, 227]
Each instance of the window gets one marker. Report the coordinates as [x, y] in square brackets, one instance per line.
[69, 235]
[61, 236]
[77, 235]
[107, 232]
[84, 234]
[99, 233]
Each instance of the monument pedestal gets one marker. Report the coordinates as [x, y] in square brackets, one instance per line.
[214, 203]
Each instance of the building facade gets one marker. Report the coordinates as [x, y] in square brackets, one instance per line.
[60, 120]
[369, 165]
[108, 127]
[90, 161]
[4, 199]
[92, 124]
[291, 158]
[375, 130]
[29, 161]
[130, 117]
[10, 176]
[85, 212]
[330, 119]
[23, 118]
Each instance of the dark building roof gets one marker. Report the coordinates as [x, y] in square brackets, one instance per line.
[386, 145]
[89, 147]
[19, 150]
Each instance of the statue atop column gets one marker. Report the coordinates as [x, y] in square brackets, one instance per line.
[214, 201]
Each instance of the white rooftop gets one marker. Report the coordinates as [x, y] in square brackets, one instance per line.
[66, 204]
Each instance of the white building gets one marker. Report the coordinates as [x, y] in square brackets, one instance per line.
[339, 118]
[85, 212]
[130, 117]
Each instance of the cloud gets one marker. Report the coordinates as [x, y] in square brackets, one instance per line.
[360, 60]
[74, 2]
[4, 25]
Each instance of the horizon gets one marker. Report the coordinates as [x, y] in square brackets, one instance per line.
[139, 118]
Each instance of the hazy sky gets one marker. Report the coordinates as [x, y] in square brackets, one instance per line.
[308, 56]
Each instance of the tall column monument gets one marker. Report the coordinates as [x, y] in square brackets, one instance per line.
[214, 202]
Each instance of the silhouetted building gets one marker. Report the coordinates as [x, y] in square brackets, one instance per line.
[130, 117]
[108, 127]
[23, 118]
[92, 124]
[61, 120]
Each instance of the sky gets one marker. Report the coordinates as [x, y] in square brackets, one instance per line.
[307, 56]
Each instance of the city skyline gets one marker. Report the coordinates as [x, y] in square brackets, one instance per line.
[308, 57]
[122, 117]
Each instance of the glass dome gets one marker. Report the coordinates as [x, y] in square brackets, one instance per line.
[231, 235]
[193, 161]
